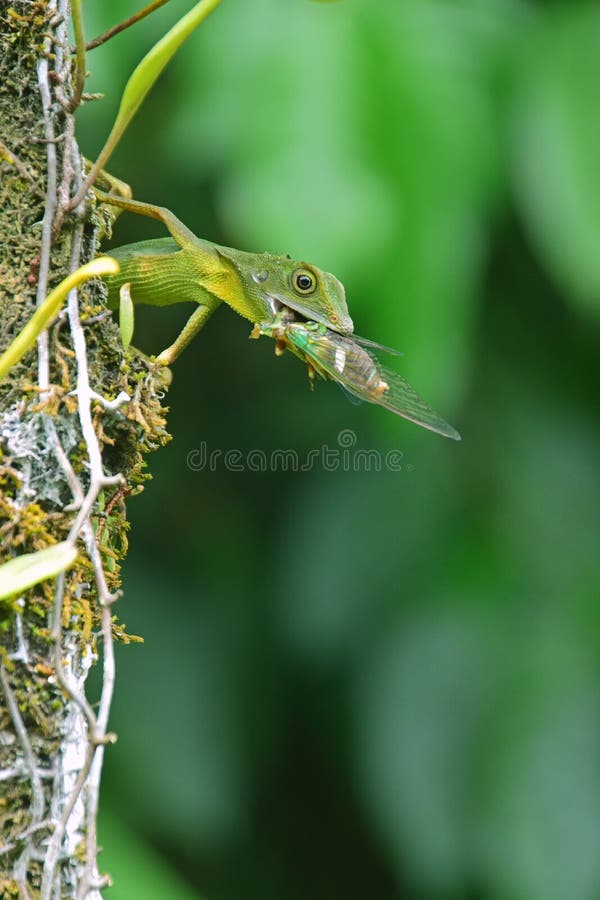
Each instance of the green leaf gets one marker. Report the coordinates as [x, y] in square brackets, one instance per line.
[31, 568]
[126, 314]
[49, 309]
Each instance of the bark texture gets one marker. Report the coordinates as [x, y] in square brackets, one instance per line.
[76, 421]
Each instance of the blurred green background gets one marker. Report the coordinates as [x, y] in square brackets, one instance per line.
[370, 683]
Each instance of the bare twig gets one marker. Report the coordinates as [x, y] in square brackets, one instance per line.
[50, 205]
[86, 397]
[140, 83]
[64, 189]
[27, 832]
[14, 160]
[127, 23]
[37, 791]
[120, 494]
[37, 806]
[57, 201]
[93, 791]
[77, 17]
[83, 378]
[89, 774]
[55, 842]
[63, 459]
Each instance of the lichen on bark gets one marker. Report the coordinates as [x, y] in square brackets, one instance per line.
[51, 741]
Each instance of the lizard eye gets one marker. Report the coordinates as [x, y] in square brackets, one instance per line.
[304, 281]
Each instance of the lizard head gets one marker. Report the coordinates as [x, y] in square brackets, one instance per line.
[272, 282]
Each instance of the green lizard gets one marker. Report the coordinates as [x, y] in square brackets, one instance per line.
[185, 268]
[269, 290]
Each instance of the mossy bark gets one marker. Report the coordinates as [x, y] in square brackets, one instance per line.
[47, 741]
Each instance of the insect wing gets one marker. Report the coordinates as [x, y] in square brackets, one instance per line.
[374, 345]
[361, 373]
[401, 398]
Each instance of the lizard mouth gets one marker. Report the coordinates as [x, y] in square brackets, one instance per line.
[277, 306]
[283, 313]
[274, 304]
[344, 325]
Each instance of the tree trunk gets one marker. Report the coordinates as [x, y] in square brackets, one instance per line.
[76, 422]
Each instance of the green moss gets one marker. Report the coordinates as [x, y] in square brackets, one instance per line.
[34, 492]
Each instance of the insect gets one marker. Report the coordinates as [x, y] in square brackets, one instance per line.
[351, 362]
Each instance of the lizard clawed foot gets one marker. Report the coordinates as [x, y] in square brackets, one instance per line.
[155, 365]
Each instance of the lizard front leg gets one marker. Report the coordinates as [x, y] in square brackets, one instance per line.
[189, 331]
